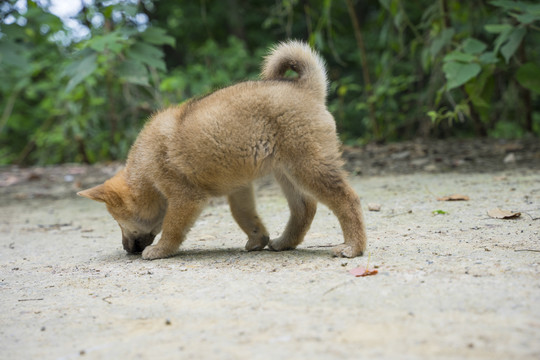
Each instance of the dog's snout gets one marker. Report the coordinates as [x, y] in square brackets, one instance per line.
[129, 245]
[137, 245]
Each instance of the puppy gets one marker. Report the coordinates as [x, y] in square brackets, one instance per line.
[219, 143]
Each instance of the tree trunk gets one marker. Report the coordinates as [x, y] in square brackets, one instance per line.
[365, 69]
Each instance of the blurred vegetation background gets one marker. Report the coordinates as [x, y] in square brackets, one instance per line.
[79, 88]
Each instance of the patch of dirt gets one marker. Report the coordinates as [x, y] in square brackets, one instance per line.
[451, 282]
[436, 156]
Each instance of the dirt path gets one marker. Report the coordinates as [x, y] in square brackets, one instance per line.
[451, 286]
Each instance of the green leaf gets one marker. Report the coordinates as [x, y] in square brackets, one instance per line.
[128, 8]
[433, 115]
[111, 41]
[526, 19]
[147, 54]
[133, 72]
[507, 5]
[480, 90]
[399, 18]
[526, 7]
[14, 54]
[532, 9]
[473, 46]
[501, 39]
[514, 40]
[459, 56]
[157, 36]
[498, 28]
[425, 59]
[458, 74]
[528, 75]
[80, 70]
[14, 31]
[442, 40]
[488, 58]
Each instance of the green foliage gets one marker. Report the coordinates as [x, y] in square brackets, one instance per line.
[84, 102]
[528, 75]
[426, 68]
[472, 64]
[215, 67]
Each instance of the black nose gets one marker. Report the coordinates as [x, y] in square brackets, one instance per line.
[134, 247]
[137, 245]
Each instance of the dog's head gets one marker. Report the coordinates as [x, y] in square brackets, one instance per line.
[140, 219]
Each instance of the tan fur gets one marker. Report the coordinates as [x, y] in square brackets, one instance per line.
[218, 144]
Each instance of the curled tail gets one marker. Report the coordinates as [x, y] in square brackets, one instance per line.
[300, 58]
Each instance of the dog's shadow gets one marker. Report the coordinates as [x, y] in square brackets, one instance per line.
[219, 255]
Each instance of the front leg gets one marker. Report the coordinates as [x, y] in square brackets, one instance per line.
[180, 216]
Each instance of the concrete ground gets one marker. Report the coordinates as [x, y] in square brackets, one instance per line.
[452, 282]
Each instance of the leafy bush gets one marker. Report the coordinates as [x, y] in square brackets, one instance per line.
[397, 69]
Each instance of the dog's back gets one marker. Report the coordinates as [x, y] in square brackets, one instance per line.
[244, 131]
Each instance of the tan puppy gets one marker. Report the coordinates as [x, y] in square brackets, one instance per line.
[218, 144]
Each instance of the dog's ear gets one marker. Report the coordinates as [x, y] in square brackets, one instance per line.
[97, 193]
[106, 192]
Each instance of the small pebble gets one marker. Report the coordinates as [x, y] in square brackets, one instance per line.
[374, 207]
[510, 158]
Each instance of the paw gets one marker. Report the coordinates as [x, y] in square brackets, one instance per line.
[153, 252]
[281, 244]
[257, 243]
[347, 251]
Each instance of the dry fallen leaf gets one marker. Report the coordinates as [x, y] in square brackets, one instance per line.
[374, 207]
[503, 214]
[362, 271]
[454, 197]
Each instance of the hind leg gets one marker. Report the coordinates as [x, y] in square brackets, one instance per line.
[242, 204]
[327, 182]
[302, 208]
